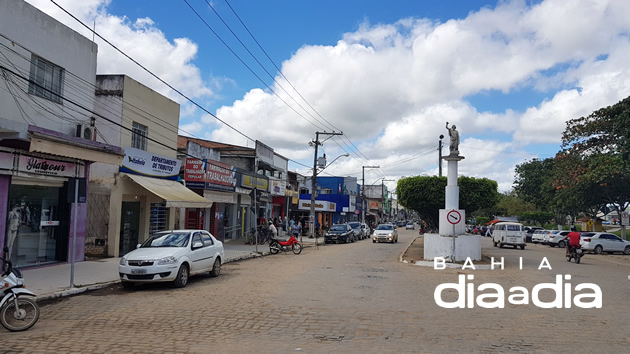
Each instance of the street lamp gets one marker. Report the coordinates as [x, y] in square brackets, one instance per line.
[363, 193]
[440, 153]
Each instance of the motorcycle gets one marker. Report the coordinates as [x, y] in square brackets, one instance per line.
[292, 244]
[575, 253]
[17, 313]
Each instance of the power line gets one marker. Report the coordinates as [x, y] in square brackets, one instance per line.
[151, 73]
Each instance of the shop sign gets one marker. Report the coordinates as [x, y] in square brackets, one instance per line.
[46, 167]
[278, 187]
[144, 163]
[320, 205]
[250, 181]
[219, 176]
[209, 174]
[194, 173]
[6, 161]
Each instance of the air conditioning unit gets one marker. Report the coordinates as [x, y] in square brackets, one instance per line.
[86, 132]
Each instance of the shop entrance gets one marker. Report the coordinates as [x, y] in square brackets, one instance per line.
[37, 224]
[129, 224]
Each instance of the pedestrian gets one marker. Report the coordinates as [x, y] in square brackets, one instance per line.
[273, 230]
[488, 233]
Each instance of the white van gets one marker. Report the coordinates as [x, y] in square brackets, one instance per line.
[509, 233]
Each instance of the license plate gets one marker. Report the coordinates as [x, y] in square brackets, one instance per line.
[333, 237]
[138, 271]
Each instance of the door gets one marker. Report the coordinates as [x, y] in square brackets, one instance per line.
[129, 224]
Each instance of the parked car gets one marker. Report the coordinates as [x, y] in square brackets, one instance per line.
[530, 231]
[547, 237]
[385, 233]
[410, 226]
[508, 233]
[339, 233]
[356, 228]
[600, 242]
[400, 223]
[538, 235]
[367, 231]
[558, 239]
[172, 256]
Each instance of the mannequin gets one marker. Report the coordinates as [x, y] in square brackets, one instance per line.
[15, 218]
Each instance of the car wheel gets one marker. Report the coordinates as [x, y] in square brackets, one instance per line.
[626, 250]
[182, 277]
[216, 268]
[514, 246]
[599, 249]
[373, 241]
[522, 247]
[500, 245]
[127, 284]
[561, 244]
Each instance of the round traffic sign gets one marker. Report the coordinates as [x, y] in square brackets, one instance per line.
[454, 217]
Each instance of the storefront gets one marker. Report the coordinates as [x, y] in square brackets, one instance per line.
[147, 198]
[37, 206]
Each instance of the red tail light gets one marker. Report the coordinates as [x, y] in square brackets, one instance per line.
[587, 240]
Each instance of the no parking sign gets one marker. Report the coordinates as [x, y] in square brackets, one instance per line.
[625, 218]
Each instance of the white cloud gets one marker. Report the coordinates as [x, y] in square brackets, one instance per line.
[142, 40]
[391, 87]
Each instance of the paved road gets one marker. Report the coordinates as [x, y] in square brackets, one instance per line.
[338, 298]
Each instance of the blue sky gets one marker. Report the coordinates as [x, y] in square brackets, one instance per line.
[389, 74]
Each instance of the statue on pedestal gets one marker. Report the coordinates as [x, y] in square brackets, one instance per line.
[454, 134]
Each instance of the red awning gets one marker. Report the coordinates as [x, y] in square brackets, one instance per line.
[492, 222]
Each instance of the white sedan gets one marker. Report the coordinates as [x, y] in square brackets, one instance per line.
[600, 242]
[385, 233]
[172, 256]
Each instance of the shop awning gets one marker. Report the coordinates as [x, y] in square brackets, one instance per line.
[218, 197]
[175, 194]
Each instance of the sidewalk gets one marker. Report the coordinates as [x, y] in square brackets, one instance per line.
[53, 281]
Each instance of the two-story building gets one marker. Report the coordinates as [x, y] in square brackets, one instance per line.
[47, 135]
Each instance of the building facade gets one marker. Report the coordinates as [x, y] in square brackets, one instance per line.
[46, 136]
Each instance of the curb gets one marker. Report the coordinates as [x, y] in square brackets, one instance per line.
[97, 286]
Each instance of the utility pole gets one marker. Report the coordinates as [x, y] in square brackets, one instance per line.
[363, 193]
[440, 153]
[316, 143]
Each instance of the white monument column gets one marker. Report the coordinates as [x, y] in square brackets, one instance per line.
[452, 243]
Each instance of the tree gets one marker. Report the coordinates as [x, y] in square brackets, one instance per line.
[538, 217]
[594, 161]
[534, 182]
[426, 195]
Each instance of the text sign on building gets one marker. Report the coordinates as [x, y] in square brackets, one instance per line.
[6, 161]
[46, 167]
[195, 173]
[251, 181]
[144, 163]
[320, 205]
[219, 176]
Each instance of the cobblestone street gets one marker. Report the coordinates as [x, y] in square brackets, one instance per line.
[338, 298]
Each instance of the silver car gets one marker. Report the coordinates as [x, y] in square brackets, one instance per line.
[385, 233]
[600, 242]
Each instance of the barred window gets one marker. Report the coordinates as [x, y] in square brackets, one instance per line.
[139, 136]
[46, 80]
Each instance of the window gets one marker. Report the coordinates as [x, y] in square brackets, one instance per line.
[207, 240]
[139, 134]
[513, 227]
[46, 80]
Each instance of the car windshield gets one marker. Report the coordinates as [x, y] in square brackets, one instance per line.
[338, 228]
[385, 227]
[410, 223]
[354, 225]
[170, 239]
